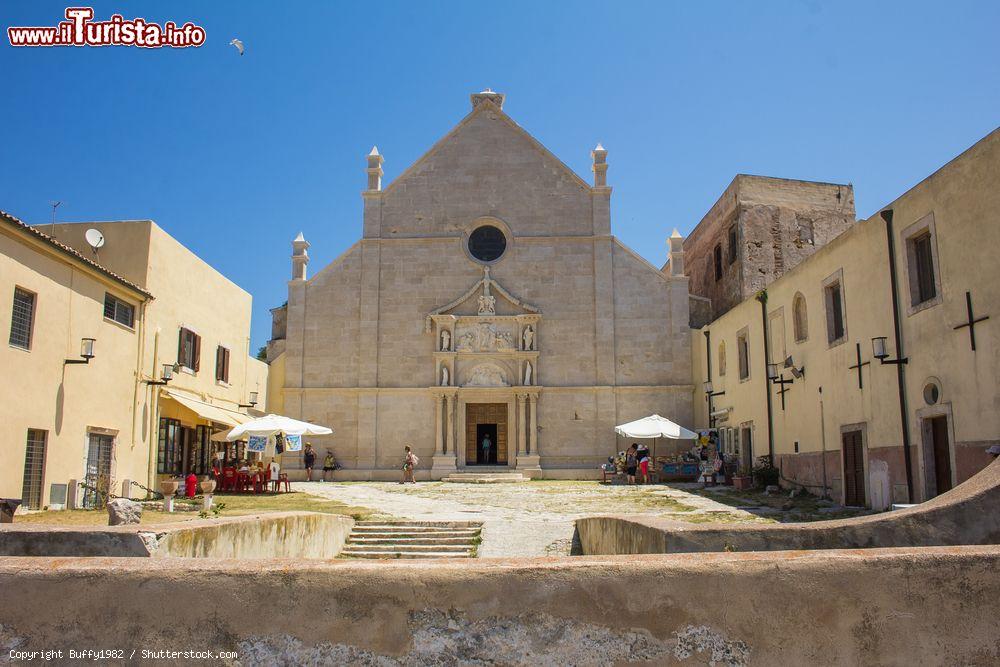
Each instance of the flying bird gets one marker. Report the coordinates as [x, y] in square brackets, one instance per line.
[238, 44]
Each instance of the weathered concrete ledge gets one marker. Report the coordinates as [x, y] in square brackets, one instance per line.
[275, 535]
[880, 606]
[968, 514]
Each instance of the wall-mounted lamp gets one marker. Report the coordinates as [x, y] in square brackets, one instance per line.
[253, 401]
[86, 352]
[709, 395]
[709, 392]
[880, 352]
[168, 375]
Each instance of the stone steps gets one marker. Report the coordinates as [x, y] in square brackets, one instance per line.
[402, 554]
[413, 539]
[485, 477]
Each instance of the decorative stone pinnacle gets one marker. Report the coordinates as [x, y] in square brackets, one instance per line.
[600, 165]
[374, 151]
[676, 234]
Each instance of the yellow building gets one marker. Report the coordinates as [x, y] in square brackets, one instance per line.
[863, 382]
[194, 332]
[61, 417]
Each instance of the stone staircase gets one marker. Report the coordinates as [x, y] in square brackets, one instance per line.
[485, 475]
[413, 539]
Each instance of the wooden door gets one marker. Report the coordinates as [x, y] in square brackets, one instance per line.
[485, 413]
[854, 469]
[942, 454]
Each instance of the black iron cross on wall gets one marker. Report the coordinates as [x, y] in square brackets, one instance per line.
[859, 366]
[972, 321]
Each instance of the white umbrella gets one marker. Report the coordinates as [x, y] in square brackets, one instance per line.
[274, 424]
[655, 426]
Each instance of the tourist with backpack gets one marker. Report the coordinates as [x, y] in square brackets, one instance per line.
[410, 461]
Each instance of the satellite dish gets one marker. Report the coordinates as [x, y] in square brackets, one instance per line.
[95, 238]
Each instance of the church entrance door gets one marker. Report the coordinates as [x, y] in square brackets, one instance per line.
[486, 434]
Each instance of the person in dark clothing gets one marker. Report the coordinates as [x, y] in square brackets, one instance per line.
[308, 461]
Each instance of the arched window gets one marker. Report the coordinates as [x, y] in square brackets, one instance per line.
[722, 358]
[800, 321]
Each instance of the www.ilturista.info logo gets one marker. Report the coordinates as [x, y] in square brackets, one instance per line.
[80, 30]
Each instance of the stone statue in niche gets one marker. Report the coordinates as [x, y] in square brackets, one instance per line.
[444, 376]
[445, 340]
[527, 374]
[487, 375]
[529, 338]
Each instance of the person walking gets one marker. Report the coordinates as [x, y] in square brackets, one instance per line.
[309, 461]
[410, 461]
[487, 446]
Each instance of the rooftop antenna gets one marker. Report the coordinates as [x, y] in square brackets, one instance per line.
[52, 228]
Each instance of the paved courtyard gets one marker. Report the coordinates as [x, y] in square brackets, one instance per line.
[525, 519]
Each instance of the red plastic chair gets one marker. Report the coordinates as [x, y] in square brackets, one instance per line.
[229, 479]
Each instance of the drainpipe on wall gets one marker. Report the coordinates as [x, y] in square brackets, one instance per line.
[708, 376]
[762, 297]
[900, 373]
[154, 411]
[822, 439]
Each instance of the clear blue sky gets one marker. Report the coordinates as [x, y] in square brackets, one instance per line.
[235, 155]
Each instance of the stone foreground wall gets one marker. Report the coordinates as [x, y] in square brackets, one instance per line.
[276, 535]
[885, 607]
[968, 514]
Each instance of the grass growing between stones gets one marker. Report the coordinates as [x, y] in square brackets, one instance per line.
[779, 507]
[547, 496]
[235, 505]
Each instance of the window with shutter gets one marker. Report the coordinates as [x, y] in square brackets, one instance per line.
[924, 258]
[189, 350]
[222, 364]
[743, 350]
[834, 312]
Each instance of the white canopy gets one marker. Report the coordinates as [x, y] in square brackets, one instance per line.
[655, 426]
[273, 425]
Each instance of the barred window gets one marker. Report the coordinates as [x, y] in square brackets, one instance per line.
[22, 318]
[119, 311]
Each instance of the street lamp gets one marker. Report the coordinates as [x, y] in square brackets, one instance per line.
[709, 394]
[880, 352]
[253, 401]
[86, 352]
[167, 376]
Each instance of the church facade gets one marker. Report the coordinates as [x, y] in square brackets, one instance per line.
[486, 300]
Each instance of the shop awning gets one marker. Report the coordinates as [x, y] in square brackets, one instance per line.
[207, 410]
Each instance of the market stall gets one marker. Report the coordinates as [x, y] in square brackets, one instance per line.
[654, 427]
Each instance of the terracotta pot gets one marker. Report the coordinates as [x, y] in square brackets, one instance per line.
[168, 487]
[208, 486]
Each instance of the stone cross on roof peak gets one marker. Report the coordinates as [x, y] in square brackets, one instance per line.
[488, 94]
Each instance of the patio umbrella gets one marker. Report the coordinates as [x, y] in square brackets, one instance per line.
[655, 426]
[273, 425]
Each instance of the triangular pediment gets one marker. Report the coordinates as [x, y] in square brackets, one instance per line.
[481, 299]
[489, 133]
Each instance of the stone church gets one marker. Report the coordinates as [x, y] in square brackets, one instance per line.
[486, 300]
